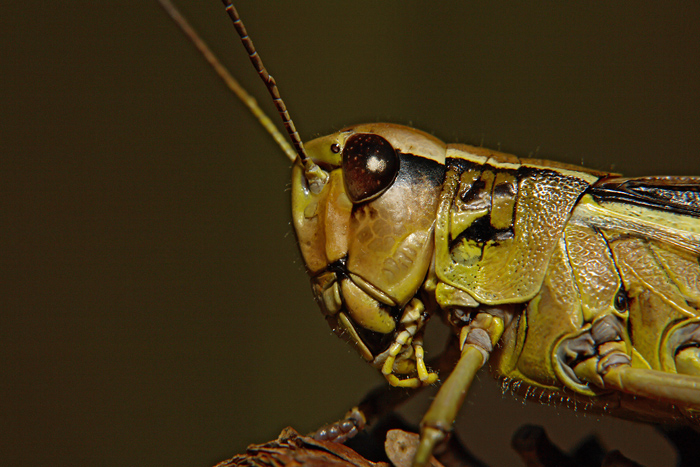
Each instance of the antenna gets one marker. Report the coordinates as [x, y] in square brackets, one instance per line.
[315, 176]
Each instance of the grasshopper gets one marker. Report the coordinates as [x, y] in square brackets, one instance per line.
[544, 268]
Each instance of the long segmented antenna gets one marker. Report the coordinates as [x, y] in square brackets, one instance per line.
[315, 176]
[229, 80]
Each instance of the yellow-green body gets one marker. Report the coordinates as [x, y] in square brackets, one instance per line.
[581, 287]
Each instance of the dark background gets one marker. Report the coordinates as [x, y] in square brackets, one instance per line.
[154, 310]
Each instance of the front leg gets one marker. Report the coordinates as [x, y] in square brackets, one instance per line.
[383, 400]
[476, 342]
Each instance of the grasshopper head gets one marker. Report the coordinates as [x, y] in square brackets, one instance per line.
[367, 236]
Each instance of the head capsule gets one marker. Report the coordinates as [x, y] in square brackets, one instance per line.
[367, 236]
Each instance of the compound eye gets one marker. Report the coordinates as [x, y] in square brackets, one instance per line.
[370, 166]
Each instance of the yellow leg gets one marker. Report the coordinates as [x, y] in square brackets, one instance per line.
[611, 369]
[477, 340]
[437, 422]
[683, 390]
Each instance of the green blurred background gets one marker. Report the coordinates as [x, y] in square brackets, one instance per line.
[153, 307]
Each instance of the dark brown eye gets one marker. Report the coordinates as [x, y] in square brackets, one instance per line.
[370, 166]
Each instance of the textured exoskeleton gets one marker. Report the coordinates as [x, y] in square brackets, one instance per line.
[579, 285]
